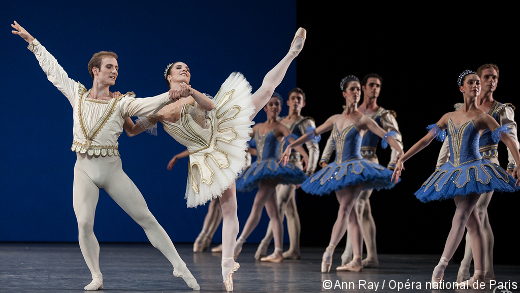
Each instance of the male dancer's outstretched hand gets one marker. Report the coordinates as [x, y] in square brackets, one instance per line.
[19, 30]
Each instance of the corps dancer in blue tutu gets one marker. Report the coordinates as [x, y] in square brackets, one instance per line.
[466, 175]
[349, 174]
[266, 173]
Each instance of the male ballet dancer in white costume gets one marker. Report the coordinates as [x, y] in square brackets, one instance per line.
[98, 121]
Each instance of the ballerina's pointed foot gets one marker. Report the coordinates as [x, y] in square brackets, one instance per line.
[217, 248]
[228, 282]
[238, 249]
[96, 284]
[435, 284]
[475, 282]
[370, 263]
[291, 255]
[463, 274]
[298, 41]
[261, 251]
[326, 261]
[275, 257]
[356, 265]
[186, 275]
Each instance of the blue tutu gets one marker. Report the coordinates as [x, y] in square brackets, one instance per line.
[466, 172]
[353, 172]
[258, 171]
[266, 166]
[349, 168]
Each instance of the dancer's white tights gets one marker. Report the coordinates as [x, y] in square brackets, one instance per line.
[274, 77]
[465, 217]
[228, 205]
[92, 173]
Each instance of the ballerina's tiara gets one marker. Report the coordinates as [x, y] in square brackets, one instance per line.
[346, 80]
[167, 69]
[464, 73]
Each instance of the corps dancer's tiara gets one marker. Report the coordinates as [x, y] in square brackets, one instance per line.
[464, 73]
[346, 80]
[167, 69]
[275, 94]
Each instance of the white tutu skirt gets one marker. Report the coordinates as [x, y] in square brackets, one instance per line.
[216, 139]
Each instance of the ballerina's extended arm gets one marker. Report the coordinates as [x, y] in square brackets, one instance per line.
[327, 126]
[418, 146]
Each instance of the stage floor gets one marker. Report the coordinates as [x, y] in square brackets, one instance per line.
[59, 267]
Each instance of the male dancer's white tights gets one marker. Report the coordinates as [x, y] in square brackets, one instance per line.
[92, 173]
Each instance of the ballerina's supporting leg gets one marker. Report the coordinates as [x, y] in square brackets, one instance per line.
[228, 205]
[465, 217]
[273, 212]
[347, 199]
[346, 196]
[481, 209]
[275, 76]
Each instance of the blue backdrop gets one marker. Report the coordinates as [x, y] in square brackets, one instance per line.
[214, 38]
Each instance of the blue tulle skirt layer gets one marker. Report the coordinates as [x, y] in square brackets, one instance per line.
[352, 172]
[475, 177]
[252, 175]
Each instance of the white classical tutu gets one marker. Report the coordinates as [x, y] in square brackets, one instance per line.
[216, 139]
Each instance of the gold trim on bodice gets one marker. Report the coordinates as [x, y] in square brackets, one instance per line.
[456, 139]
[339, 138]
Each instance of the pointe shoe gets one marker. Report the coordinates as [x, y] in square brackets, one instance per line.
[198, 245]
[470, 284]
[326, 260]
[300, 33]
[217, 248]
[238, 249]
[435, 283]
[370, 263]
[261, 251]
[272, 258]
[352, 266]
[325, 267]
[186, 275]
[96, 284]
[346, 258]
[206, 243]
[228, 282]
[291, 255]
[463, 274]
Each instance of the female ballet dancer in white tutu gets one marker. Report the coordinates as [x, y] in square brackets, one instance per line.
[216, 131]
[466, 175]
[350, 173]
